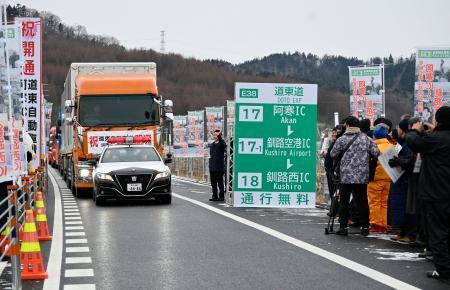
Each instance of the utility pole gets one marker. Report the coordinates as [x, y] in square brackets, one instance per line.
[163, 41]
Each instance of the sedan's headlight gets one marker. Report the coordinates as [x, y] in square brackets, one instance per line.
[162, 174]
[104, 176]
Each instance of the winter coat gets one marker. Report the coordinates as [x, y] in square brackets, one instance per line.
[383, 145]
[217, 156]
[398, 194]
[328, 163]
[354, 167]
[434, 149]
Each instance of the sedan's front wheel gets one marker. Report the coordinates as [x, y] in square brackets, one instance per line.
[166, 199]
[97, 200]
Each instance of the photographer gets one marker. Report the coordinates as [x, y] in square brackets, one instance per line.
[217, 166]
[329, 166]
[433, 144]
[353, 150]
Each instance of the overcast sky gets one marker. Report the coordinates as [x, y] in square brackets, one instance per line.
[239, 30]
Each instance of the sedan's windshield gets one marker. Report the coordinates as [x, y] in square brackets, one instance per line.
[130, 154]
[118, 110]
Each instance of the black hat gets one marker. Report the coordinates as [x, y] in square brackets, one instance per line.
[443, 115]
[404, 125]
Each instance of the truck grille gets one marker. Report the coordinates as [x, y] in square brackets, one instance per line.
[123, 180]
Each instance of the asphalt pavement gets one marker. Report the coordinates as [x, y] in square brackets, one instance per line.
[197, 244]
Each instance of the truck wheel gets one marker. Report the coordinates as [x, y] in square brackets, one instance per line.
[73, 188]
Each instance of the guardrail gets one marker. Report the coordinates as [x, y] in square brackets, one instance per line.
[19, 199]
[196, 168]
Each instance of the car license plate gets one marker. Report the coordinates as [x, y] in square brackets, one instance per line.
[134, 186]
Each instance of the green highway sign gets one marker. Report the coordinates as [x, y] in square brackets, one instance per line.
[275, 145]
[248, 93]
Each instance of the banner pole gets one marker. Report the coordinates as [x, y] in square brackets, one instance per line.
[384, 91]
[8, 80]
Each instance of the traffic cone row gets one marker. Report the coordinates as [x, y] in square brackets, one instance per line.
[35, 229]
[32, 265]
[41, 219]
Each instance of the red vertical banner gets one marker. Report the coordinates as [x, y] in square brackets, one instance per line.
[4, 174]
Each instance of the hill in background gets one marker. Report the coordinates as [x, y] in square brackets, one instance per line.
[193, 84]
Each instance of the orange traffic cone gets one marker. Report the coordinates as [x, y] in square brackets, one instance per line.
[6, 242]
[41, 219]
[31, 265]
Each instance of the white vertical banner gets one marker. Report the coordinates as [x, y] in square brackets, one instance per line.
[432, 81]
[195, 129]
[214, 121]
[11, 99]
[31, 36]
[366, 91]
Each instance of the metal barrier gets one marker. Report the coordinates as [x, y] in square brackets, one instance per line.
[18, 200]
[195, 168]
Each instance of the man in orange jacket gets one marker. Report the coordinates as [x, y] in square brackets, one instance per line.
[378, 189]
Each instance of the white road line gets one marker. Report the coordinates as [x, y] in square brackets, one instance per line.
[190, 182]
[71, 213]
[78, 260]
[359, 268]
[72, 218]
[75, 234]
[76, 241]
[79, 287]
[77, 249]
[79, 273]
[71, 210]
[73, 223]
[56, 250]
[74, 228]
[3, 265]
[195, 191]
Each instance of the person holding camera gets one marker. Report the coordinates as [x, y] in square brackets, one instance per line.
[433, 144]
[352, 151]
[217, 166]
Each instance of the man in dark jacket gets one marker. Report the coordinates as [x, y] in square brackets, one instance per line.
[217, 166]
[434, 178]
[353, 149]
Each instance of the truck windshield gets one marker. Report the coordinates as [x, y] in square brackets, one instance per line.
[130, 154]
[118, 110]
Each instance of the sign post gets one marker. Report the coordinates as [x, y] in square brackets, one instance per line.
[275, 145]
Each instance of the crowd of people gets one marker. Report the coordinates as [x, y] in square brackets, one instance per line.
[414, 206]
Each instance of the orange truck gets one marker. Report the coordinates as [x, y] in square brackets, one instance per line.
[104, 100]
